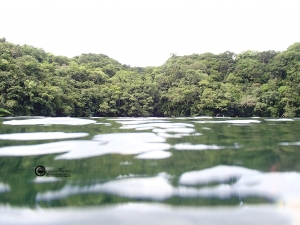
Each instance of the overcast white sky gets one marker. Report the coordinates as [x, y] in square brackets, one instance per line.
[145, 32]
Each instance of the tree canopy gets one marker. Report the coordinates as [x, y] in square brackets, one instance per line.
[36, 83]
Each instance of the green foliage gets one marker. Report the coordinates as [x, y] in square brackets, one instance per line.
[4, 112]
[33, 82]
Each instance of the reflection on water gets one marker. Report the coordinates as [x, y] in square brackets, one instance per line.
[4, 187]
[199, 170]
[45, 179]
[280, 119]
[187, 146]
[155, 188]
[154, 155]
[230, 121]
[290, 143]
[118, 143]
[141, 213]
[216, 174]
[275, 186]
[51, 121]
[41, 136]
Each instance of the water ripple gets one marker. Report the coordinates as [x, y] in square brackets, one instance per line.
[219, 173]
[230, 121]
[147, 214]
[115, 143]
[41, 136]
[276, 186]
[4, 187]
[51, 121]
[187, 146]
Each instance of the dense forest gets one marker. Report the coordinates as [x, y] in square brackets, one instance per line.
[36, 83]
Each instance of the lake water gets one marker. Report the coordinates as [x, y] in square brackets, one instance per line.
[198, 170]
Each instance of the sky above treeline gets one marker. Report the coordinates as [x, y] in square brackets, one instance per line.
[144, 32]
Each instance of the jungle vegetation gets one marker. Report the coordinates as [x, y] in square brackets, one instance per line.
[36, 83]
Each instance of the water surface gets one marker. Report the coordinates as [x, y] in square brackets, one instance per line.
[150, 170]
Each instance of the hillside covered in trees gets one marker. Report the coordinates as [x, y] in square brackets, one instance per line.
[36, 83]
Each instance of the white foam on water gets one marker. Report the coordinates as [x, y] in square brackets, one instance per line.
[154, 155]
[187, 146]
[41, 136]
[115, 143]
[219, 173]
[279, 119]
[147, 214]
[51, 121]
[4, 188]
